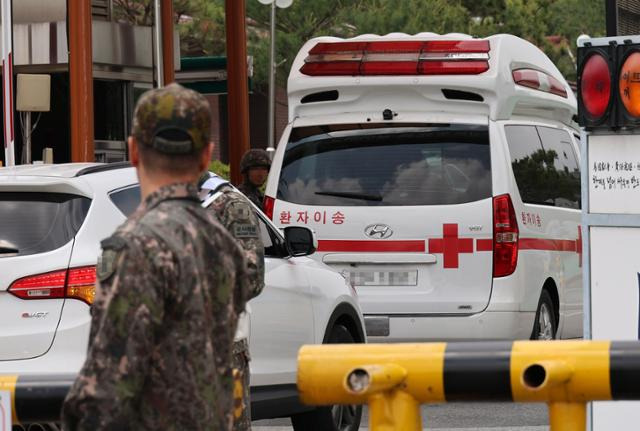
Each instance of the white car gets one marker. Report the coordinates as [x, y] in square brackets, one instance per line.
[441, 173]
[52, 219]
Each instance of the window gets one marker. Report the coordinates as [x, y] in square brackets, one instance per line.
[109, 110]
[273, 246]
[32, 223]
[398, 164]
[127, 200]
[544, 165]
[558, 142]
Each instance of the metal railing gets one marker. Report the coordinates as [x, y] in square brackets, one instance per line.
[394, 379]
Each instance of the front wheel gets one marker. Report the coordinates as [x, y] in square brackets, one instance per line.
[546, 321]
[334, 418]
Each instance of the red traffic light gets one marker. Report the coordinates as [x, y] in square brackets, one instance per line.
[595, 86]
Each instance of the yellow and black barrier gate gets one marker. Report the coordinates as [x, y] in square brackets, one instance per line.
[36, 398]
[394, 379]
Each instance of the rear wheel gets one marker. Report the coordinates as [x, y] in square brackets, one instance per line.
[545, 325]
[334, 418]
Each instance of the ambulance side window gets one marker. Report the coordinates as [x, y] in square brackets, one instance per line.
[527, 161]
[544, 165]
[557, 143]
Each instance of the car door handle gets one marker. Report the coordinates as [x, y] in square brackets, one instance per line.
[380, 258]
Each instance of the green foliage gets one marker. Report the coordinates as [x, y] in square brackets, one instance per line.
[220, 168]
[201, 24]
[410, 16]
[294, 26]
[202, 31]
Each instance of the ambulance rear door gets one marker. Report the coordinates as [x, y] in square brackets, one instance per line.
[403, 210]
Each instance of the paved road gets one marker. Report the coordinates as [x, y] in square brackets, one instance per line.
[461, 417]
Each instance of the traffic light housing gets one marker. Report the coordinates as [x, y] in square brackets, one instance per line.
[609, 83]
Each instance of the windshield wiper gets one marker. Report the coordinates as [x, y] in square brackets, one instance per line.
[351, 195]
[8, 248]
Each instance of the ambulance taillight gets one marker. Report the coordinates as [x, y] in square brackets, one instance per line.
[505, 236]
[435, 57]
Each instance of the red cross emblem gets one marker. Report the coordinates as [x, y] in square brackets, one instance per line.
[579, 246]
[450, 245]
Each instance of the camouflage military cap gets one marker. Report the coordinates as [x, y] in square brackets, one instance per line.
[255, 158]
[172, 120]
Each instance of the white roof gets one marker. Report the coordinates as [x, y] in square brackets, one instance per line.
[423, 93]
[64, 170]
[62, 178]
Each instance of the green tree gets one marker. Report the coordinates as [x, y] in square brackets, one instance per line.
[552, 25]
[294, 26]
[410, 16]
[199, 22]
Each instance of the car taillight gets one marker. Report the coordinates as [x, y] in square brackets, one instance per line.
[539, 81]
[76, 283]
[435, 57]
[81, 284]
[267, 204]
[595, 86]
[505, 236]
[41, 286]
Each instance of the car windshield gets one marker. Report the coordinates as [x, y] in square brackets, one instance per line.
[32, 223]
[399, 165]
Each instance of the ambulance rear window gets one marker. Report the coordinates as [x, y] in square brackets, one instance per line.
[399, 165]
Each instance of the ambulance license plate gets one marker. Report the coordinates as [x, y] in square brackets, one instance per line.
[384, 278]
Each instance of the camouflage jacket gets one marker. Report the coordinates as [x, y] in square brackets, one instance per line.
[252, 192]
[171, 283]
[236, 214]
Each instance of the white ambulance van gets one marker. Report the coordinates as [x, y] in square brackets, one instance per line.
[441, 174]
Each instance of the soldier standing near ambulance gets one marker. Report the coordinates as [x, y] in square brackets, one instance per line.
[171, 284]
[255, 165]
[237, 215]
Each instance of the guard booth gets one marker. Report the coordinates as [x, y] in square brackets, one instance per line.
[609, 112]
[123, 67]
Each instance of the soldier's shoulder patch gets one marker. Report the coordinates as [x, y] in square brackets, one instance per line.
[106, 265]
[240, 211]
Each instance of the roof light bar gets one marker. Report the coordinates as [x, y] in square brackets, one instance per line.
[440, 57]
[539, 81]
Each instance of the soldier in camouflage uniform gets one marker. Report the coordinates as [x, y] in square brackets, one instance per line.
[255, 165]
[236, 214]
[171, 284]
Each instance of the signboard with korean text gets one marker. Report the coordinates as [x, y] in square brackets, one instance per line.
[614, 174]
[609, 112]
[613, 272]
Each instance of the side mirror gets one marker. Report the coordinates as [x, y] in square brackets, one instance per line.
[300, 241]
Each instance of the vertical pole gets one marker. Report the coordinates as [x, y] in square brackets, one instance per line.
[272, 78]
[611, 14]
[168, 67]
[27, 138]
[7, 81]
[157, 44]
[567, 416]
[81, 80]
[238, 93]
[394, 411]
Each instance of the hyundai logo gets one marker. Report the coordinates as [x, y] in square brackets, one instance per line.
[380, 231]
